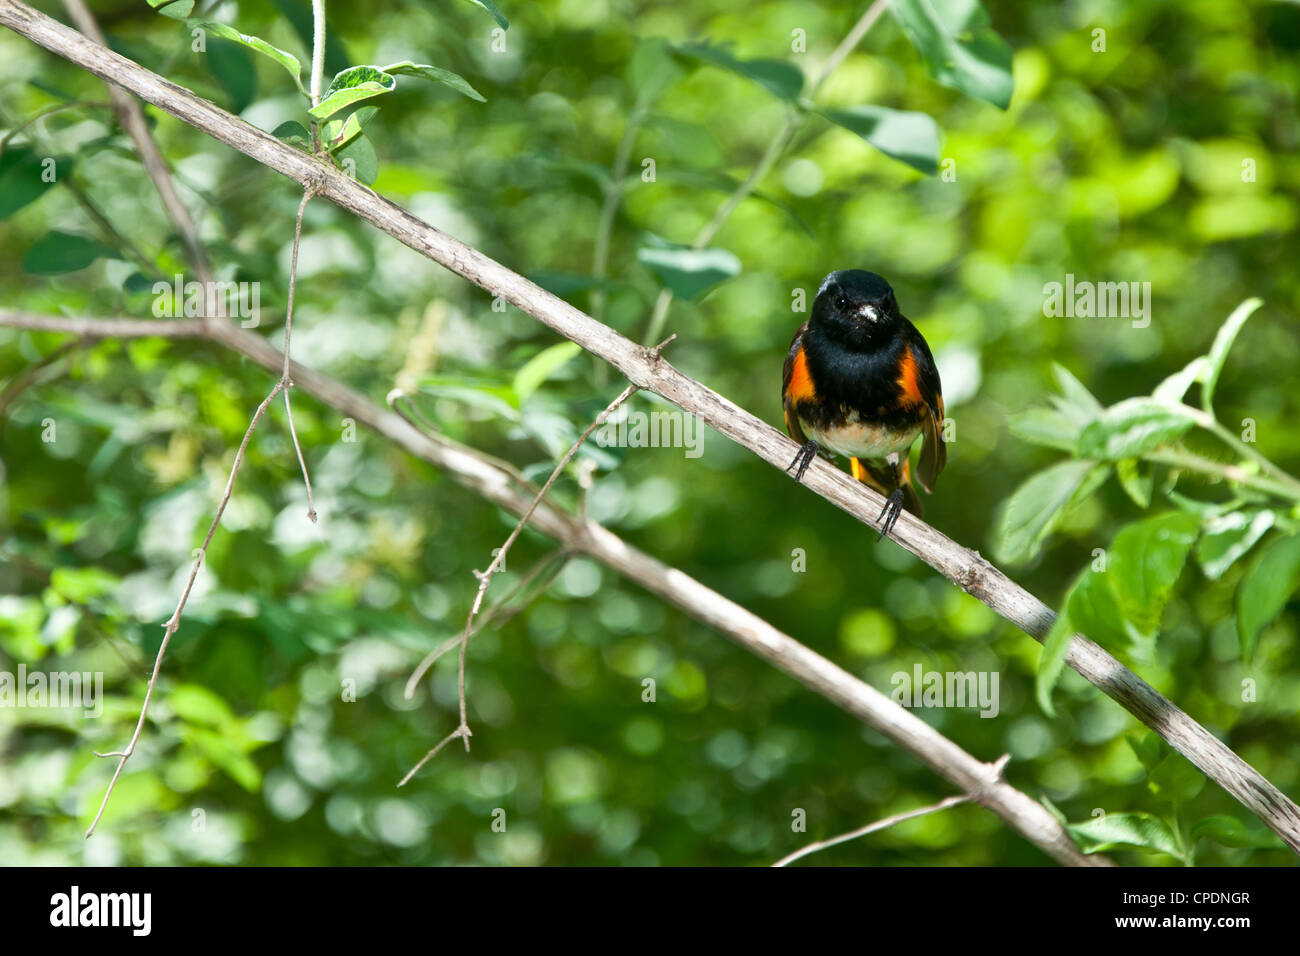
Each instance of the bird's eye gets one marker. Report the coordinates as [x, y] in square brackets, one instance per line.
[841, 302]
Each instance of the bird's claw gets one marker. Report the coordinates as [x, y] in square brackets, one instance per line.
[893, 507]
[803, 458]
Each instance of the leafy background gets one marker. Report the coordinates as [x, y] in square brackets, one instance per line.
[1123, 165]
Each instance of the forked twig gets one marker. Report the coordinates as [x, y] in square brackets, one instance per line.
[498, 561]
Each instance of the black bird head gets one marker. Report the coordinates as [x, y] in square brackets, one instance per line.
[857, 308]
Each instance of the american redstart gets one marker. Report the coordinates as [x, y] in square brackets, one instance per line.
[860, 382]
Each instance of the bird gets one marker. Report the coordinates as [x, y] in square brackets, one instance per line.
[860, 381]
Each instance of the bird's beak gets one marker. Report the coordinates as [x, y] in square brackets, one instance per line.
[868, 312]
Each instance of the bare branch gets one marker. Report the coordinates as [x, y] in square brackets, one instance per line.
[944, 804]
[884, 824]
[105, 328]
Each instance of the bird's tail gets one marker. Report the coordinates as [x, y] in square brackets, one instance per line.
[881, 478]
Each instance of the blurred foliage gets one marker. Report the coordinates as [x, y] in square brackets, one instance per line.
[1162, 149]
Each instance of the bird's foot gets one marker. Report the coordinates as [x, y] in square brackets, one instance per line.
[893, 506]
[803, 458]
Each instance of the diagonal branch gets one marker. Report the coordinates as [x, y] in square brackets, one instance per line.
[964, 567]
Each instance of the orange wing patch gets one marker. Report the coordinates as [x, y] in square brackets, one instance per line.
[907, 382]
[801, 384]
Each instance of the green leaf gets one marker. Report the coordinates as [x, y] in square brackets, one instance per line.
[493, 397]
[358, 159]
[1204, 509]
[595, 172]
[1149, 748]
[436, 75]
[1075, 402]
[286, 60]
[352, 85]
[1145, 561]
[1135, 485]
[491, 8]
[197, 704]
[959, 46]
[1131, 427]
[1126, 829]
[1033, 509]
[1229, 831]
[905, 135]
[58, 252]
[225, 755]
[1091, 608]
[81, 585]
[291, 131]
[1172, 390]
[1226, 538]
[1222, 345]
[1094, 610]
[1047, 427]
[651, 69]
[779, 78]
[176, 9]
[688, 272]
[338, 132]
[1176, 779]
[541, 367]
[1265, 590]
[20, 178]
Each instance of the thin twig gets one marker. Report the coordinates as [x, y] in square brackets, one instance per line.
[285, 378]
[175, 620]
[461, 731]
[994, 774]
[551, 563]
[871, 828]
[173, 623]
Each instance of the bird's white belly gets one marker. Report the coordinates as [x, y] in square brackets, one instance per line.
[856, 439]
